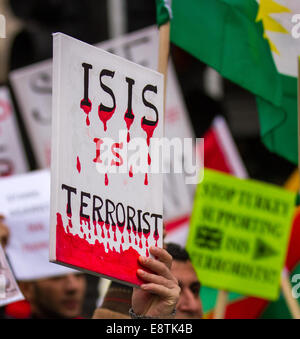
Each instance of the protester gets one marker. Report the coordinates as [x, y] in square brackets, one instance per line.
[117, 301]
[56, 297]
[158, 296]
[63, 296]
[189, 305]
[53, 298]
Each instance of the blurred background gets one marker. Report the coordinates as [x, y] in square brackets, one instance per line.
[29, 28]
[30, 24]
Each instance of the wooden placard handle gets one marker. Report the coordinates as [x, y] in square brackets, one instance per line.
[164, 51]
[221, 304]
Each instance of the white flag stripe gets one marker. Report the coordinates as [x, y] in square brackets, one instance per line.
[168, 5]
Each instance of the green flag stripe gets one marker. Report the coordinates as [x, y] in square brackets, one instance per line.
[278, 125]
[225, 35]
[227, 38]
[163, 11]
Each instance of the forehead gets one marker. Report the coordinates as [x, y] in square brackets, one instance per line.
[184, 271]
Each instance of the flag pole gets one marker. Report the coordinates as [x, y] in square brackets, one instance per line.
[164, 51]
[221, 304]
[285, 281]
[163, 60]
[298, 98]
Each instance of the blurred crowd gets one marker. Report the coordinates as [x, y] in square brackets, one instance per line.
[171, 290]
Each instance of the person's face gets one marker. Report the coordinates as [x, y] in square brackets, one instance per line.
[58, 297]
[189, 304]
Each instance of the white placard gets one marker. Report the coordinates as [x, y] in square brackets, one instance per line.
[25, 203]
[33, 90]
[12, 155]
[103, 217]
[33, 84]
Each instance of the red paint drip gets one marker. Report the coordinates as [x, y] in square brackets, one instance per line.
[122, 240]
[135, 241]
[130, 172]
[78, 165]
[70, 223]
[101, 223]
[149, 131]
[105, 116]
[86, 109]
[147, 252]
[141, 244]
[73, 250]
[106, 180]
[86, 222]
[95, 228]
[68, 214]
[129, 122]
[146, 179]
[156, 236]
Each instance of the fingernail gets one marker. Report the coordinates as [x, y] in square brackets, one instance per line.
[141, 272]
[142, 259]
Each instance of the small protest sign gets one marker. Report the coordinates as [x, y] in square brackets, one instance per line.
[9, 290]
[25, 204]
[106, 204]
[12, 153]
[32, 86]
[239, 234]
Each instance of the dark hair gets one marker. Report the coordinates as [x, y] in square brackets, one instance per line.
[177, 252]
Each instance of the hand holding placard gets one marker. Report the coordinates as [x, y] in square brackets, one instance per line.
[159, 294]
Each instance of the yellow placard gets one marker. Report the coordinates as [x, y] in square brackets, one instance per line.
[239, 234]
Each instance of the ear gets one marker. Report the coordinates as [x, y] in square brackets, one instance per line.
[27, 288]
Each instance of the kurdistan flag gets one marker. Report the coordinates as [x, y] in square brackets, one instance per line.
[250, 43]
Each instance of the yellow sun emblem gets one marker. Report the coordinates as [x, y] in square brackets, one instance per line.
[267, 7]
